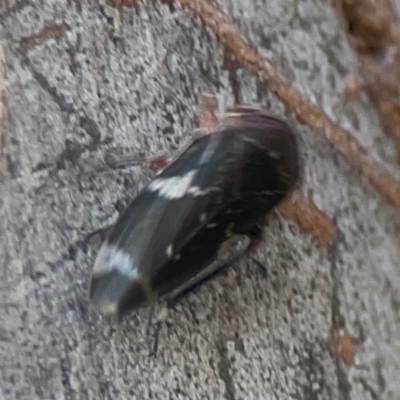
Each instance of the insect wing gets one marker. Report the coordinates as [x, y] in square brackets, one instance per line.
[265, 168]
[221, 186]
[157, 224]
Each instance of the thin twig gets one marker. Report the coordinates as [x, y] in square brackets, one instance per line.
[308, 217]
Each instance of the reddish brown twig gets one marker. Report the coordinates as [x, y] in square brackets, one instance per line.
[306, 112]
[48, 32]
[308, 217]
[371, 28]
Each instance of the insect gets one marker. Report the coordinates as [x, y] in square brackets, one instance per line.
[217, 190]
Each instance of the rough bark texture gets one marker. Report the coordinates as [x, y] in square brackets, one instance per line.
[75, 92]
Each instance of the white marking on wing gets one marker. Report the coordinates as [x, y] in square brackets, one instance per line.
[176, 187]
[108, 308]
[170, 251]
[173, 188]
[112, 258]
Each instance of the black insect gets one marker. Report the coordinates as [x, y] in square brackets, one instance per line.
[217, 190]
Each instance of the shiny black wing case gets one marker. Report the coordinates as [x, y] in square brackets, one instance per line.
[219, 187]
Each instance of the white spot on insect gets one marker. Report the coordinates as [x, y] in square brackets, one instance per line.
[232, 114]
[274, 154]
[176, 187]
[211, 225]
[249, 140]
[203, 217]
[170, 251]
[196, 191]
[108, 308]
[111, 258]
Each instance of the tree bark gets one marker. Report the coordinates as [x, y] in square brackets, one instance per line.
[83, 83]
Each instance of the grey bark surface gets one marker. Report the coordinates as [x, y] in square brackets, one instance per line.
[249, 334]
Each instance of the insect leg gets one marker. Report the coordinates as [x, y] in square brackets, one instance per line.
[161, 319]
[175, 298]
